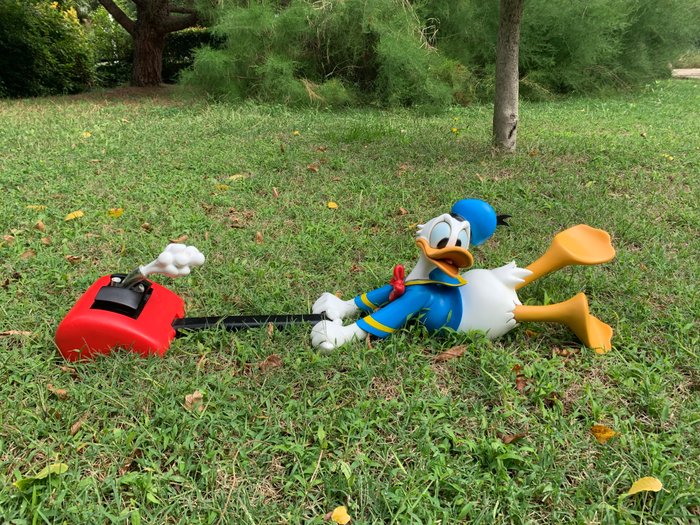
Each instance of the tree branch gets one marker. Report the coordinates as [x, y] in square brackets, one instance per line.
[119, 15]
[176, 23]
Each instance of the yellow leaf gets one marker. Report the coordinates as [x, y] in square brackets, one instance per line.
[644, 485]
[36, 207]
[332, 205]
[340, 515]
[222, 187]
[602, 433]
[239, 176]
[115, 212]
[296, 133]
[53, 470]
[87, 134]
[74, 215]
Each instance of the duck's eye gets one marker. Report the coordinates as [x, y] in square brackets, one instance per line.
[462, 239]
[440, 235]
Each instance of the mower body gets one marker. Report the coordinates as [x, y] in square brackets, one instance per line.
[107, 317]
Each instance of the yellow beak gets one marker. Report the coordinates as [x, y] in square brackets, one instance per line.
[450, 260]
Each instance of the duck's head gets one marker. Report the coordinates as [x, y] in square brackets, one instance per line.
[444, 242]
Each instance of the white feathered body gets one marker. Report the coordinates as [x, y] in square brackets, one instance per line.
[489, 299]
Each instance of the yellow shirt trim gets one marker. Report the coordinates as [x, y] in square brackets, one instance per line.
[367, 302]
[378, 325]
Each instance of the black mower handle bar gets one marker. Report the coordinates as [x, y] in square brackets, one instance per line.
[242, 322]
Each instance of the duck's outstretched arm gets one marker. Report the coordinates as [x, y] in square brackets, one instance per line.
[336, 308]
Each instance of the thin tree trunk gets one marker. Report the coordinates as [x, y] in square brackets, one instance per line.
[505, 111]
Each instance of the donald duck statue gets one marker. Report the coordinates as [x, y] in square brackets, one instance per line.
[437, 295]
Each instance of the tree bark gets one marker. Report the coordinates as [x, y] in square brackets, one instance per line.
[505, 111]
[147, 69]
[153, 22]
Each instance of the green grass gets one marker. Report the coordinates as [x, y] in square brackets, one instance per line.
[384, 430]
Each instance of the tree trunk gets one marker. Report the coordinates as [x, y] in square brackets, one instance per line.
[505, 111]
[148, 56]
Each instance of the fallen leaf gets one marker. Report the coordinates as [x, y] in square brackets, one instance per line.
[40, 226]
[56, 469]
[340, 516]
[8, 333]
[332, 205]
[322, 148]
[75, 427]
[73, 259]
[181, 238]
[27, 254]
[645, 484]
[565, 352]
[534, 152]
[36, 207]
[239, 176]
[60, 393]
[602, 433]
[313, 168]
[115, 213]
[520, 379]
[270, 329]
[403, 211]
[9, 239]
[452, 353]
[46, 241]
[530, 333]
[87, 134]
[272, 361]
[355, 268]
[74, 215]
[222, 187]
[643, 135]
[201, 361]
[275, 193]
[296, 133]
[258, 238]
[512, 438]
[126, 466]
[146, 227]
[69, 370]
[194, 400]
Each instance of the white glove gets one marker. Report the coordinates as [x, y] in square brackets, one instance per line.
[329, 335]
[175, 261]
[333, 307]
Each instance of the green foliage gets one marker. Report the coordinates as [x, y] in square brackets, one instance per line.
[43, 50]
[370, 50]
[113, 49]
[569, 46]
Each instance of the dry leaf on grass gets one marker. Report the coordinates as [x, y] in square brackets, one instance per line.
[46, 241]
[28, 254]
[602, 433]
[646, 484]
[313, 168]
[194, 401]
[75, 427]
[403, 211]
[73, 259]
[74, 215]
[40, 225]
[272, 361]
[339, 515]
[332, 205]
[512, 438]
[115, 213]
[8, 333]
[9, 239]
[60, 393]
[258, 238]
[270, 329]
[36, 207]
[181, 238]
[452, 353]
[275, 193]
[520, 379]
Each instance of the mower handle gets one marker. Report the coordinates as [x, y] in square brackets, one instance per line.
[242, 322]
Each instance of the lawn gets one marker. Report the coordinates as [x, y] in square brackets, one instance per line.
[382, 429]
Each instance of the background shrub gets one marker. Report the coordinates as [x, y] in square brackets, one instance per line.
[327, 53]
[43, 50]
